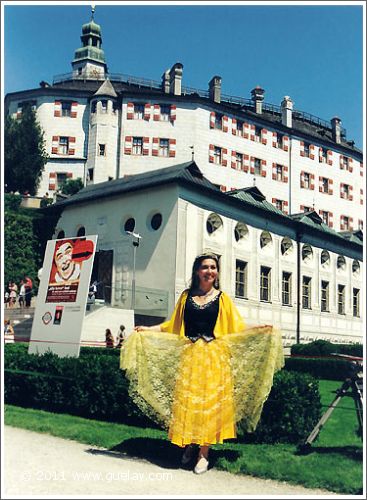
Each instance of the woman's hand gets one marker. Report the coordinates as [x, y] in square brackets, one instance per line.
[141, 328]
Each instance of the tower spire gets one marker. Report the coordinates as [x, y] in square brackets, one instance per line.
[93, 10]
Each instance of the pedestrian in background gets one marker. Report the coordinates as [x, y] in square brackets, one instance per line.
[121, 336]
[109, 338]
[28, 291]
[22, 292]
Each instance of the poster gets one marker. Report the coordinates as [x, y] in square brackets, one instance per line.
[62, 296]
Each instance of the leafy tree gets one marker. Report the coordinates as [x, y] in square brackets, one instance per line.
[25, 153]
[72, 186]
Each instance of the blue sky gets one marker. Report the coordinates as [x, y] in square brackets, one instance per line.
[312, 53]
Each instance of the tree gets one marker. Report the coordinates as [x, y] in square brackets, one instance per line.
[25, 153]
[72, 186]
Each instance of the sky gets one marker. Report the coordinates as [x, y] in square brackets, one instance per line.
[312, 53]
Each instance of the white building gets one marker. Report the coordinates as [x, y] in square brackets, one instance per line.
[101, 126]
[288, 270]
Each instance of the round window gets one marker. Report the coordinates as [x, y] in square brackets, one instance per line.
[240, 231]
[356, 267]
[307, 253]
[156, 221]
[341, 262]
[60, 234]
[81, 231]
[265, 239]
[286, 246]
[213, 223]
[325, 258]
[129, 224]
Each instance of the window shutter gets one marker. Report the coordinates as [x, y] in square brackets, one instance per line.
[212, 119]
[331, 187]
[246, 163]
[55, 145]
[329, 157]
[274, 171]
[225, 123]
[155, 146]
[156, 113]
[74, 110]
[274, 139]
[128, 145]
[147, 109]
[312, 152]
[211, 153]
[264, 136]
[71, 146]
[285, 143]
[285, 207]
[69, 175]
[321, 158]
[252, 165]
[223, 189]
[130, 111]
[350, 164]
[57, 108]
[224, 157]
[263, 168]
[342, 226]
[52, 181]
[234, 126]
[173, 112]
[341, 190]
[145, 146]
[246, 130]
[361, 196]
[361, 169]
[312, 183]
[252, 136]
[233, 161]
[285, 176]
[172, 148]
[302, 147]
[350, 197]
[341, 162]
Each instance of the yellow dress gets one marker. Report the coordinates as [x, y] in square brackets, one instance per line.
[199, 390]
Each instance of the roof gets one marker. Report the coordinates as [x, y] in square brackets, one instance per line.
[248, 200]
[106, 89]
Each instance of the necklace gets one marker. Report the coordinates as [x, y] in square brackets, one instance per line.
[210, 292]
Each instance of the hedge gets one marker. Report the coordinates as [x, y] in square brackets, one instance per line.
[93, 386]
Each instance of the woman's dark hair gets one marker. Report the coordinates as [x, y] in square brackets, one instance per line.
[196, 266]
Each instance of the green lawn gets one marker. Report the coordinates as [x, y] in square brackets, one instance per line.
[335, 461]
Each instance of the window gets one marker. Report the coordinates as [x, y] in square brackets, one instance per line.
[24, 104]
[324, 296]
[307, 253]
[265, 283]
[129, 224]
[163, 147]
[323, 155]
[90, 174]
[356, 268]
[165, 112]
[137, 145]
[257, 166]
[94, 106]
[287, 289]
[213, 223]
[239, 161]
[265, 239]
[138, 111]
[280, 140]
[341, 262]
[279, 204]
[156, 221]
[241, 279]
[360, 224]
[306, 149]
[279, 172]
[217, 155]
[341, 299]
[325, 216]
[344, 162]
[218, 121]
[104, 106]
[81, 231]
[65, 108]
[356, 302]
[240, 231]
[63, 145]
[60, 179]
[324, 185]
[325, 259]
[306, 180]
[102, 149]
[305, 208]
[60, 235]
[257, 133]
[345, 191]
[306, 292]
[239, 128]
[345, 223]
[286, 246]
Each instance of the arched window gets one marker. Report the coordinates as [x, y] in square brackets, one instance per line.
[341, 263]
[356, 268]
[129, 224]
[286, 246]
[265, 239]
[307, 253]
[81, 231]
[325, 258]
[240, 231]
[156, 221]
[213, 223]
[60, 234]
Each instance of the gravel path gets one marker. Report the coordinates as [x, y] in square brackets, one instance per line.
[40, 464]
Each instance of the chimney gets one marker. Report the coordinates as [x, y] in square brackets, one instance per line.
[165, 82]
[257, 95]
[215, 86]
[175, 77]
[336, 129]
[287, 109]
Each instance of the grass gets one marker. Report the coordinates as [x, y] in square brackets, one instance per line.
[335, 461]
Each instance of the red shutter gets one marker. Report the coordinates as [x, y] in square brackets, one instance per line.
[224, 157]
[211, 153]
[285, 143]
[312, 183]
[128, 145]
[312, 152]
[246, 165]
[350, 164]
[69, 175]
[274, 139]
[130, 111]
[145, 146]
[172, 148]
[57, 108]
[329, 157]
[155, 146]
[252, 136]
[212, 120]
[330, 187]
[233, 161]
[52, 181]
[264, 134]
[263, 168]
[246, 128]
[71, 146]
[234, 126]
[173, 113]
[274, 171]
[147, 109]
[74, 110]
[157, 112]
[225, 123]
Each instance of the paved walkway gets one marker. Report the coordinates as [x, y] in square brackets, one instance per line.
[40, 464]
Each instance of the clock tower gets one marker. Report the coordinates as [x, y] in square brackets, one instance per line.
[89, 60]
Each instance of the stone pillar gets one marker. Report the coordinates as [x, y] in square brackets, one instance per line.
[257, 95]
[215, 86]
[287, 110]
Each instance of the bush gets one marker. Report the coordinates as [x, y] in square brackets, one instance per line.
[326, 366]
[291, 411]
[93, 386]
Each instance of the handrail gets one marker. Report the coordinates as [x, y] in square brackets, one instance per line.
[245, 103]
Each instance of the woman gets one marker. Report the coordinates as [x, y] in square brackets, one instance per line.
[207, 380]
[109, 338]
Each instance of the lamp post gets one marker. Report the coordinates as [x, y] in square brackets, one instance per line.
[135, 239]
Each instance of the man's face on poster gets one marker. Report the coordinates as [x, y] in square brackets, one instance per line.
[64, 261]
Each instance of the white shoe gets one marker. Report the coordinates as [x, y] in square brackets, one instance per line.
[201, 466]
